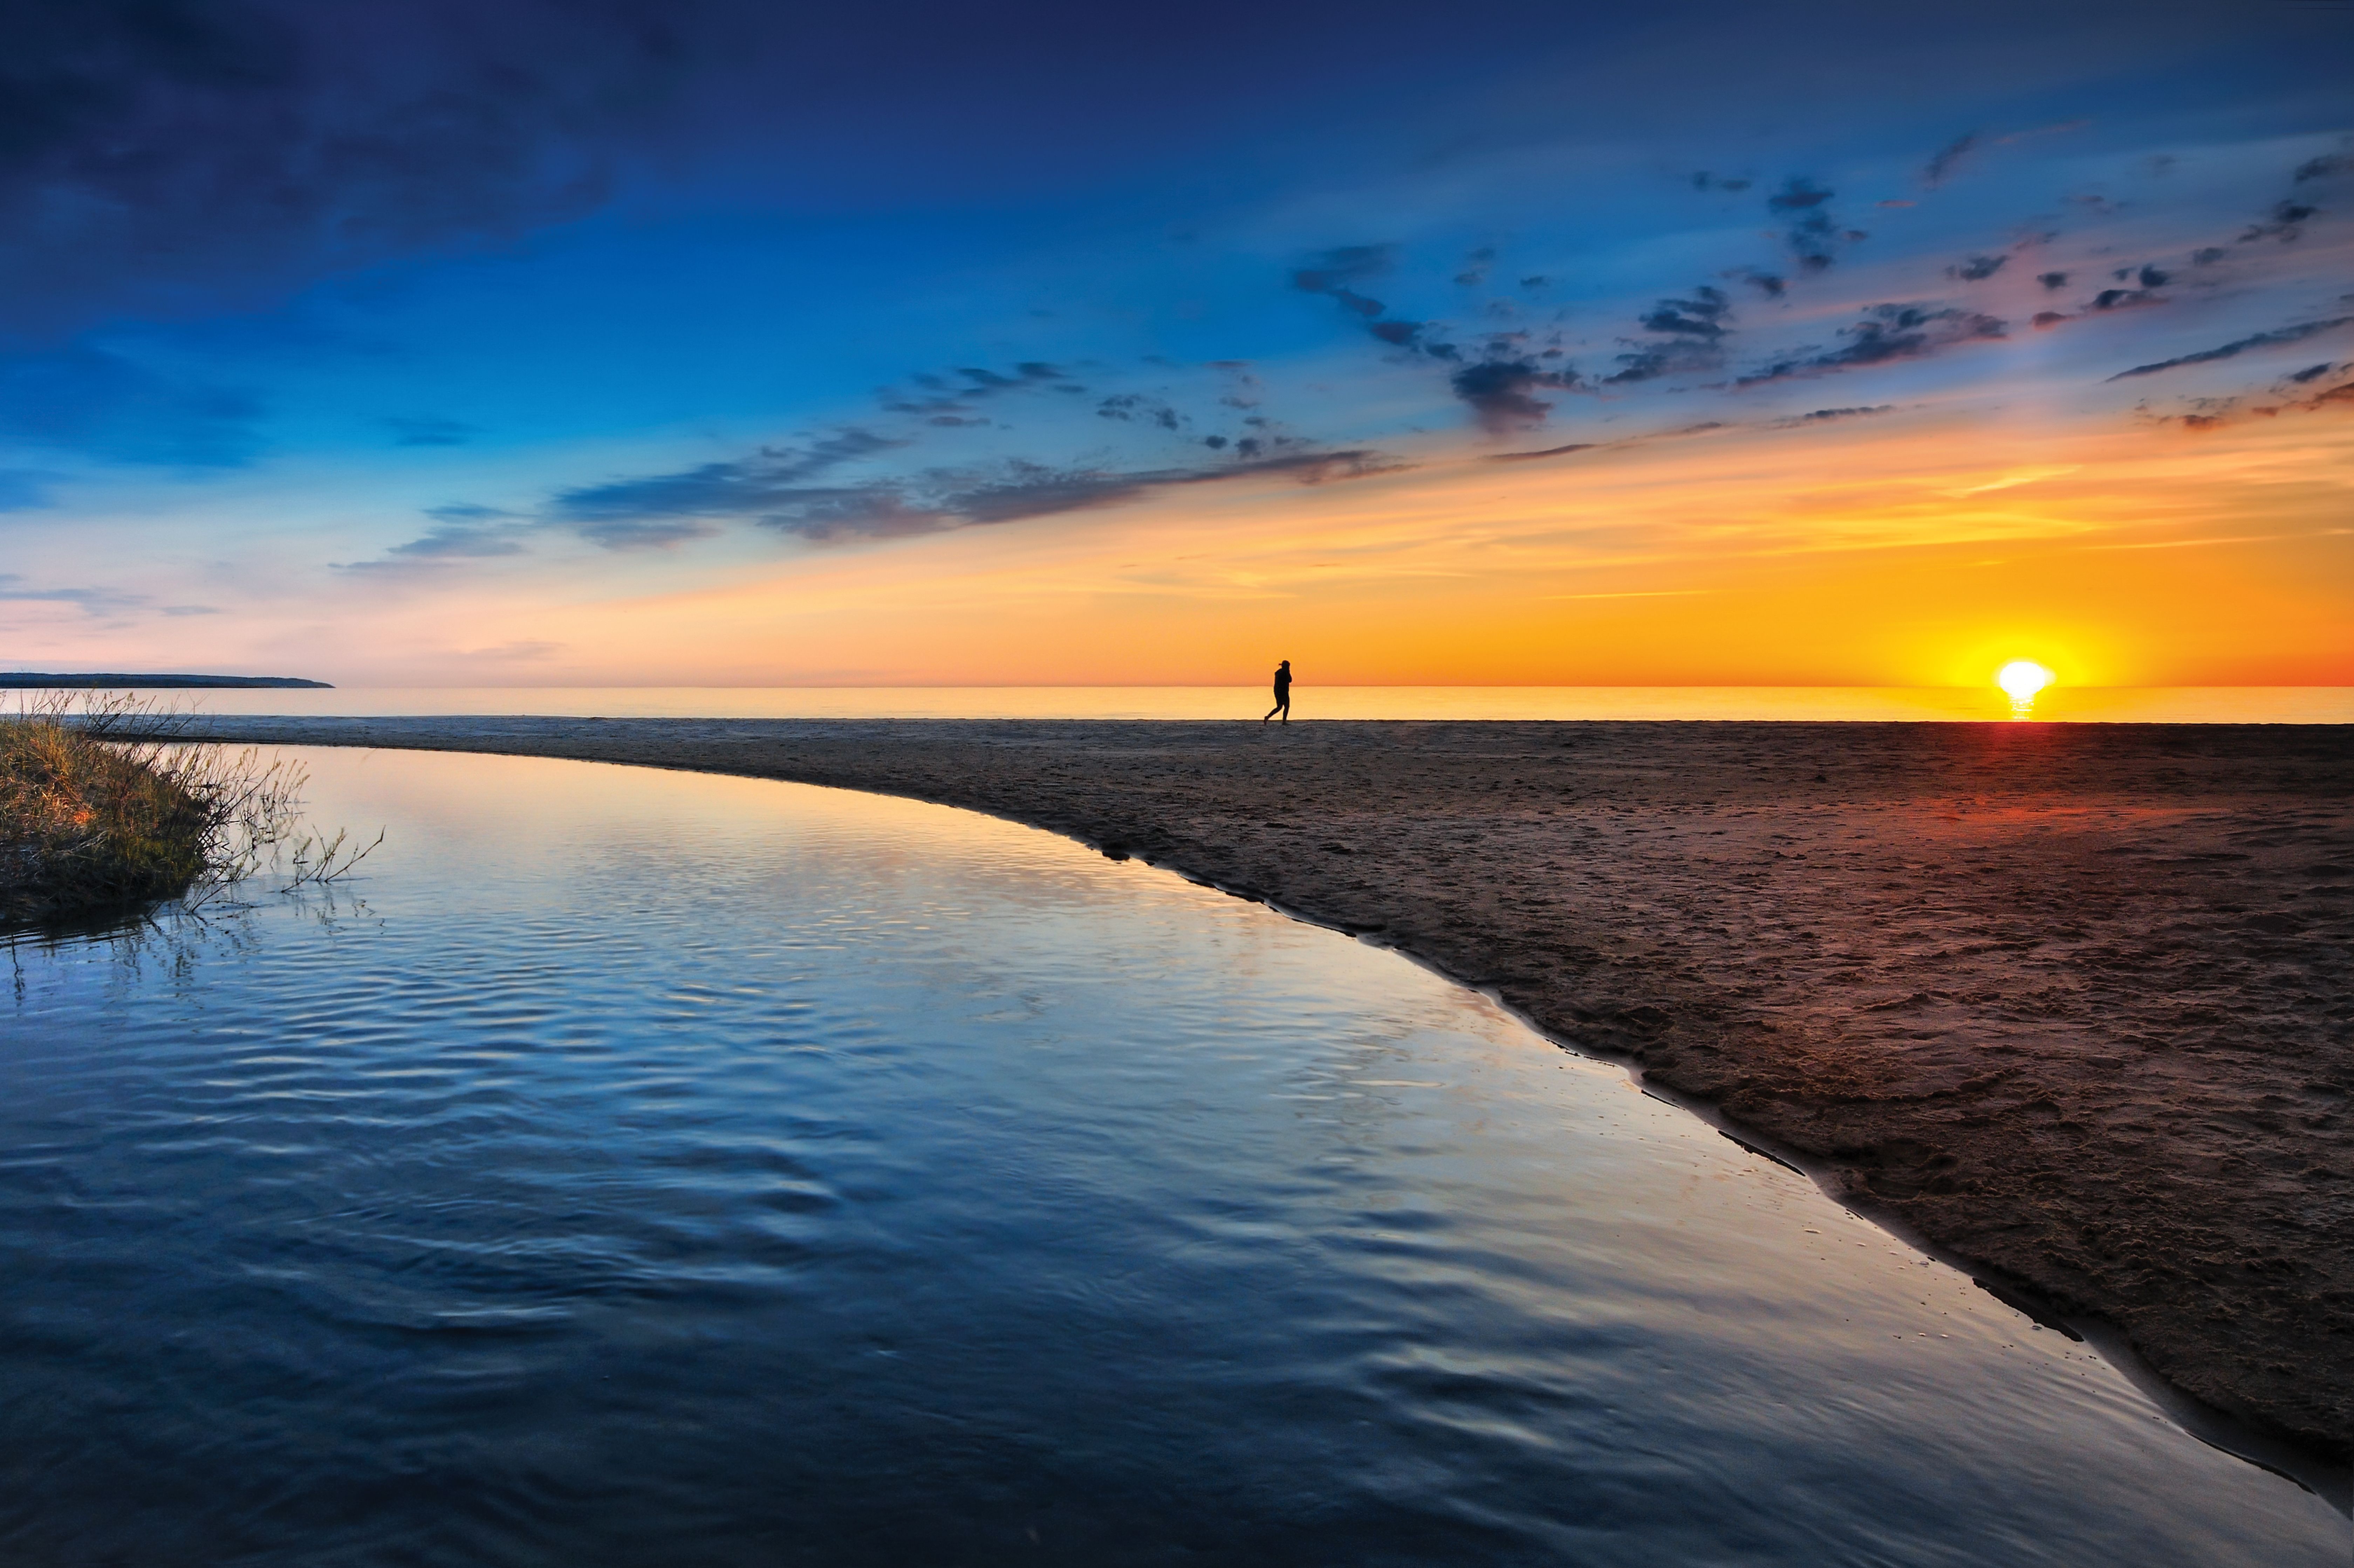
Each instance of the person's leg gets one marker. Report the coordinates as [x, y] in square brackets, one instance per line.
[1271, 713]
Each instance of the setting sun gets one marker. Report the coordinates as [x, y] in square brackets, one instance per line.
[2022, 678]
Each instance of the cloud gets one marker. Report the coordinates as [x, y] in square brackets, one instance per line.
[1475, 266]
[1824, 416]
[1689, 332]
[1703, 315]
[2052, 281]
[2322, 167]
[106, 406]
[1332, 273]
[1947, 157]
[1885, 335]
[1548, 451]
[2283, 222]
[1813, 234]
[1502, 392]
[1978, 269]
[1770, 284]
[428, 430]
[954, 398]
[1018, 490]
[2310, 373]
[2213, 413]
[98, 601]
[460, 532]
[1703, 181]
[665, 509]
[2235, 349]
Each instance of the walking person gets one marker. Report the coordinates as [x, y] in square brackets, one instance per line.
[1282, 692]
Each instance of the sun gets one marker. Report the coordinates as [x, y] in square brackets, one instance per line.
[2022, 678]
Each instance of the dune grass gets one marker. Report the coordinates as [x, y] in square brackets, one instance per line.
[104, 806]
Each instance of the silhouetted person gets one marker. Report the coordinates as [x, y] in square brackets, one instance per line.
[1282, 692]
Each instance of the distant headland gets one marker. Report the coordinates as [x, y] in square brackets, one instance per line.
[19, 680]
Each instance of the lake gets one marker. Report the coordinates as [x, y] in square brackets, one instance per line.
[633, 1167]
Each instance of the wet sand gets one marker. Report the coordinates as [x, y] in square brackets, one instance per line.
[2073, 1002]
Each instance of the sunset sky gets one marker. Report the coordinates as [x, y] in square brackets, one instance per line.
[429, 343]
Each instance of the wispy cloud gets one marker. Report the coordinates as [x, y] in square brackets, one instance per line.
[97, 601]
[2238, 346]
[1886, 334]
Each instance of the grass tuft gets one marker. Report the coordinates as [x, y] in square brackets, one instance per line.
[105, 805]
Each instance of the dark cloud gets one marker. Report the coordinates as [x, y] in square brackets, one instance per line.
[2126, 299]
[1703, 181]
[1332, 273]
[1798, 194]
[1501, 393]
[1476, 266]
[1813, 234]
[1978, 269]
[1824, 416]
[2310, 373]
[1545, 453]
[1885, 335]
[954, 398]
[428, 430]
[1769, 284]
[669, 508]
[1689, 332]
[1703, 315]
[1132, 407]
[1017, 490]
[106, 406]
[2322, 167]
[2285, 222]
[770, 490]
[2052, 281]
[656, 512]
[1947, 157]
[2208, 255]
[2235, 349]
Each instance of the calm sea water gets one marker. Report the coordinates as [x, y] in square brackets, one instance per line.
[644, 1168]
[2156, 705]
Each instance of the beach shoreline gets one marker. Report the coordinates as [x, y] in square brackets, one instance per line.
[2073, 1003]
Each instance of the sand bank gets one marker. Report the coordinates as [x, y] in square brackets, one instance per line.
[2077, 1003]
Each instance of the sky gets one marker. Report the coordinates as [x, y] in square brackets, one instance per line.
[708, 341]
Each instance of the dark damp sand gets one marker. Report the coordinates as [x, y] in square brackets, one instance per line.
[2074, 1002]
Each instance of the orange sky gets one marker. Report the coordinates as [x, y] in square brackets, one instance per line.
[1881, 553]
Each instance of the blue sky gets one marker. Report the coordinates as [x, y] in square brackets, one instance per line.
[315, 317]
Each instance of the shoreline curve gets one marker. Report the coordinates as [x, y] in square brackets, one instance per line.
[2071, 1007]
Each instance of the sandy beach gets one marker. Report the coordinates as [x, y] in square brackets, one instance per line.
[2075, 1003]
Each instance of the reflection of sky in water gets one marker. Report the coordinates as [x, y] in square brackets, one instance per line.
[651, 1167]
[2156, 705]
